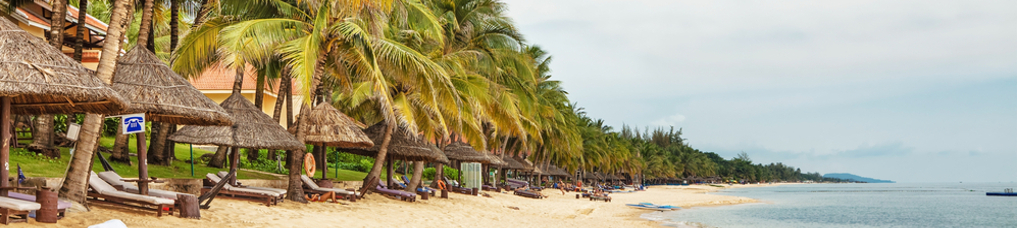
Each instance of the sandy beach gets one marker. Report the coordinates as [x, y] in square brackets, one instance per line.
[457, 211]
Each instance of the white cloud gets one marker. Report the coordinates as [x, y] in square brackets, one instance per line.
[673, 120]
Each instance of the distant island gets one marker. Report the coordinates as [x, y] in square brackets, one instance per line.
[852, 177]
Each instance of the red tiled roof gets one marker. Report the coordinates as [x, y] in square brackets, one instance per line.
[218, 77]
[71, 11]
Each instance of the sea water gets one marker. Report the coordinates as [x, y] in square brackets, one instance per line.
[856, 205]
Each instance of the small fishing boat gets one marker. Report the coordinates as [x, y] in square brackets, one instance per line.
[650, 206]
[1007, 192]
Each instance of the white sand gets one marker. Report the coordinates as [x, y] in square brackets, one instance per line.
[458, 211]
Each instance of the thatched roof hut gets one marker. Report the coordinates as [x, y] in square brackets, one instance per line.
[327, 126]
[527, 165]
[510, 163]
[589, 176]
[493, 160]
[463, 152]
[252, 129]
[163, 95]
[402, 146]
[42, 80]
[552, 170]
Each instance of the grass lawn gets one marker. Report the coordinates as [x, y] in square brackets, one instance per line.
[40, 166]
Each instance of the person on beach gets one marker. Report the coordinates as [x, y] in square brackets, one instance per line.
[561, 187]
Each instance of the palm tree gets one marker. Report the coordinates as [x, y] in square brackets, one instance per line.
[74, 184]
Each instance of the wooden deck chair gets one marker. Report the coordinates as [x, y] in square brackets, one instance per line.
[102, 192]
[212, 180]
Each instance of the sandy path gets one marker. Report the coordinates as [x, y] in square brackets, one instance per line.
[458, 211]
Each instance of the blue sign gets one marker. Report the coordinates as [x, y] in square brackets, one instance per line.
[133, 123]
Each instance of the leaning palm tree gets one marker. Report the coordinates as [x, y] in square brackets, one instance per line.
[74, 184]
[318, 40]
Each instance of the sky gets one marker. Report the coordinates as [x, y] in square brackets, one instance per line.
[909, 91]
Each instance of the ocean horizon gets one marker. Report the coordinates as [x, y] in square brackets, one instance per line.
[856, 205]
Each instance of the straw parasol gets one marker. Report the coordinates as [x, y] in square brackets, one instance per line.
[527, 165]
[463, 152]
[326, 126]
[40, 79]
[37, 78]
[161, 94]
[253, 129]
[493, 160]
[402, 146]
[510, 163]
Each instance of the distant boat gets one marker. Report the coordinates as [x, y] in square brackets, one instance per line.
[650, 206]
[1007, 192]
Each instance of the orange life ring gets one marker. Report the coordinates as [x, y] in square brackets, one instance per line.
[441, 185]
[309, 164]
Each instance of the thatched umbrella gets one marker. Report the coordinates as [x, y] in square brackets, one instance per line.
[527, 165]
[511, 163]
[493, 159]
[463, 152]
[164, 96]
[403, 145]
[327, 126]
[252, 129]
[37, 78]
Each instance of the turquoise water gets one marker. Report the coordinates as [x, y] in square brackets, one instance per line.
[856, 205]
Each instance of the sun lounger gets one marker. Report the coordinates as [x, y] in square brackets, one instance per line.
[102, 192]
[405, 196]
[489, 188]
[61, 205]
[598, 197]
[529, 194]
[399, 185]
[421, 190]
[17, 208]
[311, 187]
[117, 182]
[281, 192]
[269, 198]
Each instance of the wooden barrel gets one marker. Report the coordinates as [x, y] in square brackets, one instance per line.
[47, 213]
[188, 206]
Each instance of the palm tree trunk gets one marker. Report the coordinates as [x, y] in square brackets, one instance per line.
[145, 28]
[295, 188]
[56, 32]
[259, 91]
[415, 180]
[174, 24]
[76, 177]
[43, 135]
[289, 103]
[280, 96]
[219, 158]
[157, 152]
[202, 13]
[79, 35]
[371, 180]
[120, 149]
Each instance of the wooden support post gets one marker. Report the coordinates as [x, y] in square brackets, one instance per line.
[142, 164]
[234, 160]
[5, 147]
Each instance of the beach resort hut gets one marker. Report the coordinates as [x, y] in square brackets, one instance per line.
[37, 78]
[164, 96]
[253, 129]
[459, 152]
[327, 127]
[403, 145]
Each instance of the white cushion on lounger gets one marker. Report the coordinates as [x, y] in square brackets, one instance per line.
[312, 185]
[16, 204]
[216, 179]
[222, 174]
[114, 179]
[103, 188]
[98, 185]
